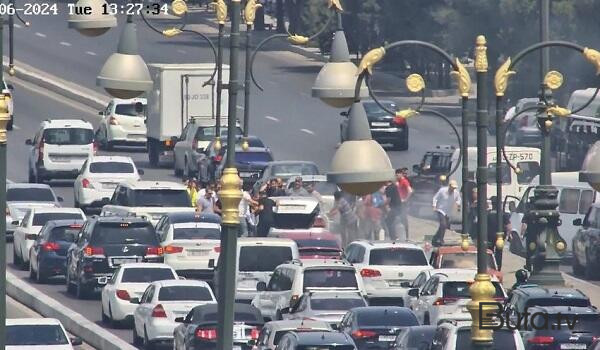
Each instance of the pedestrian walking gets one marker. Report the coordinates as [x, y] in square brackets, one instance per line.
[372, 214]
[348, 217]
[297, 189]
[397, 194]
[206, 203]
[244, 212]
[444, 202]
[266, 217]
[192, 190]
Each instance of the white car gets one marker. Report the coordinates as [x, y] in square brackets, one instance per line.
[123, 123]
[385, 266]
[130, 281]
[148, 199]
[271, 332]
[325, 306]
[190, 241]
[446, 295]
[292, 279]
[59, 149]
[162, 302]
[21, 197]
[38, 333]
[7, 91]
[30, 227]
[98, 178]
[321, 185]
[457, 336]
[296, 213]
[418, 283]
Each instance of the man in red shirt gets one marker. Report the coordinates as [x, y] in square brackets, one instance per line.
[398, 193]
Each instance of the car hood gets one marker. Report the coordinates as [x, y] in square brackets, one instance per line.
[251, 166]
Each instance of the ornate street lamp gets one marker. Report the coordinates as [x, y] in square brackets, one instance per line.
[95, 23]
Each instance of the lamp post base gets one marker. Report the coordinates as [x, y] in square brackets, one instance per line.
[548, 275]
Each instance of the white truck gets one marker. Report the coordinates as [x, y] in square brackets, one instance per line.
[177, 97]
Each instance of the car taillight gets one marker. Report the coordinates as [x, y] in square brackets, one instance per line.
[254, 333]
[31, 236]
[91, 251]
[319, 222]
[41, 151]
[113, 121]
[171, 249]
[50, 246]
[154, 251]
[218, 158]
[370, 273]
[541, 340]
[85, 183]
[159, 311]
[399, 121]
[95, 147]
[361, 334]
[217, 249]
[123, 294]
[445, 301]
[206, 333]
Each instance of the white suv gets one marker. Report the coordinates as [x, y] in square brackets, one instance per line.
[386, 267]
[291, 280]
[453, 335]
[59, 149]
[123, 123]
[446, 294]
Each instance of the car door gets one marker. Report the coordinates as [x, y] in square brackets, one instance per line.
[582, 237]
[19, 234]
[75, 253]
[440, 339]
[180, 147]
[143, 311]
[424, 302]
[109, 289]
[78, 179]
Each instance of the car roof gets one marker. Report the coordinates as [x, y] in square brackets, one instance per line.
[145, 265]
[31, 321]
[38, 210]
[295, 324]
[256, 241]
[322, 338]
[145, 184]
[239, 149]
[457, 274]
[309, 178]
[123, 159]
[573, 310]
[60, 223]
[211, 308]
[388, 244]
[324, 235]
[325, 263]
[69, 123]
[185, 217]
[332, 294]
[130, 100]
[171, 283]
[10, 185]
[117, 219]
[535, 291]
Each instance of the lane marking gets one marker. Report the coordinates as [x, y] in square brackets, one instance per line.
[41, 35]
[64, 43]
[271, 118]
[15, 127]
[91, 53]
[310, 132]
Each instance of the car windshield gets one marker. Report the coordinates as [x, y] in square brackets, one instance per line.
[68, 136]
[336, 303]
[330, 278]
[557, 301]
[41, 334]
[314, 242]
[111, 167]
[146, 275]
[29, 195]
[160, 198]
[397, 256]
[386, 318]
[460, 290]
[263, 258]
[436, 163]
[294, 221]
[505, 173]
[529, 170]
[131, 109]
[463, 261]
[238, 317]
[64, 233]
[177, 293]
[199, 230]
[124, 233]
[40, 219]
[503, 339]
[252, 157]
[374, 110]
[289, 170]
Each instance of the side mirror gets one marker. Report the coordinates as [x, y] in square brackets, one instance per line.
[405, 284]
[180, 319]
[344, 114]
[335, 326]
[15, 223]
[76, 341]
[261, 286]
[577, 222]
[416, 168]
[134, 300]
[60, 199]
[211, 263]
[101, 113]
[414, 292]
[141, 171]
[29, 142]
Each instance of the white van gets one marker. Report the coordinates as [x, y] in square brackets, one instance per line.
[513, 185]
[574, 200]
[257, 258]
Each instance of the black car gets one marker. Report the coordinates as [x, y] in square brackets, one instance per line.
[385, 128]
[562, 327]
[376, 327]
[48, 255]
[198, 330]
[316, 340]
[414, 338]
[250, 163]
[586, 244]
[105, 243]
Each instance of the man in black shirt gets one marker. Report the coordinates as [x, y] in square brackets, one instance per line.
[492, 229]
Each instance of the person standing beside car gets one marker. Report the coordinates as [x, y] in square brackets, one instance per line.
[445, 200]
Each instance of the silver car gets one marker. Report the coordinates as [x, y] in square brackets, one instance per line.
[326, 306]
[22, 196]
[271, 333]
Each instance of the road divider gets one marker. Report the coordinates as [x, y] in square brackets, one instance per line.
[74, 322]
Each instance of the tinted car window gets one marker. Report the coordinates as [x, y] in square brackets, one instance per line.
[68, 136]
[208, 133]
[263, 258]
[239, 317]
[146, 275]
[336, 303]
[160, 198]
[397, 256]
[461, 290]
[293, 169]
[420, 339]
[557, 302]
[503, 339]
[529, 170]
[64, 233]
[35, 335]
[29, 195]
[175, 293]
[123, 233]
[111, 167]
[41, 219]
[311, 242]
[582, 323]
[381, 318]
[330, 278]
[196, 231]
[569, 201]
[131, 110]
[251, 157]
[373, 108]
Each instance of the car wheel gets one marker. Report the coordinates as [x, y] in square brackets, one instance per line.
[32, 274]
[403, 144]
[16, 260]
[178, 172]
[105, 318]
[39, 274]
[137, 340]
[578, 269]
[68, 281]
[38, 178]
[81, 291]
[153, 155]
[147, 344]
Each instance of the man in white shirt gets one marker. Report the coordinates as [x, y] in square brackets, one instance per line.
[444, 201]
[244, 211]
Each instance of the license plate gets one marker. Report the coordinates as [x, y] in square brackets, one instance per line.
[394, 283]
[119, 261]
[573, 346]
[110, 186]
[245, 174]
[198, 252]
[387, 337]
[61, 159]
[238, 331]
[380, 124]
[236, 347]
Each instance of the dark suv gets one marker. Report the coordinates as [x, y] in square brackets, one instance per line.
[105, 243]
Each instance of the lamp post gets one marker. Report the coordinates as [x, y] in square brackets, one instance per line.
[4, 118]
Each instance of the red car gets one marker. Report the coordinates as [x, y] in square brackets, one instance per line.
[455, 257]
[315, 243]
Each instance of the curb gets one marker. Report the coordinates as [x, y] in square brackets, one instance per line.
[74, 322]
[57, 85]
